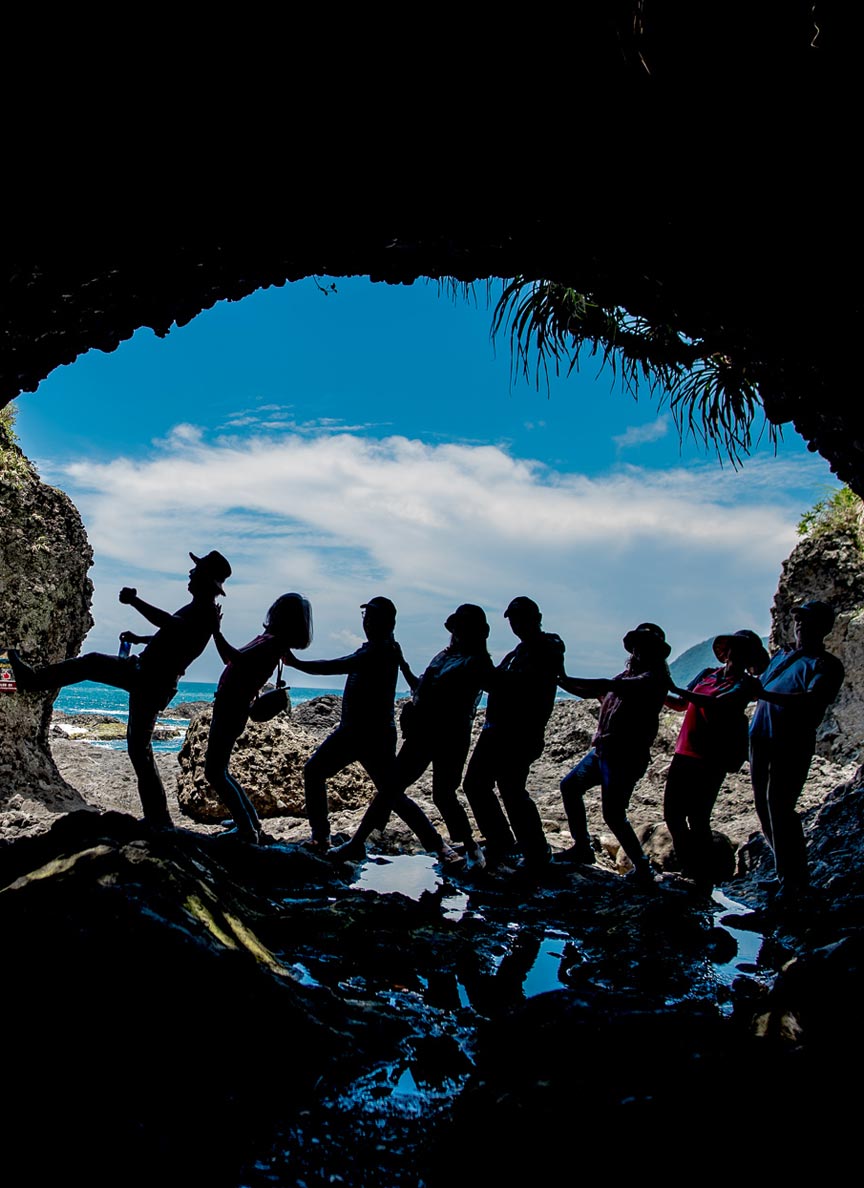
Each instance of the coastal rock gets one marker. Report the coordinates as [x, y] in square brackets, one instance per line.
[267, 761]
[44, 612]
[188, 709]
[829, 565]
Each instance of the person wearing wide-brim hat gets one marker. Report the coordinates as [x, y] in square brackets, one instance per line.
[621, 747]
[712, 742]
[794, 692]
[151, 677]
[436, 731]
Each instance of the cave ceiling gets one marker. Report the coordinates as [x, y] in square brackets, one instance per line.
[698, 171]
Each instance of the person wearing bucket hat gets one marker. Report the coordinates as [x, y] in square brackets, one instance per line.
[436, 729]
[151, 677]
[794, 692]
[288, 624]
[712, 742]
[621, 748]
[367, 730]
[521, 696]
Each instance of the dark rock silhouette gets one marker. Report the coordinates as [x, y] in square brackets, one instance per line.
[45, 608]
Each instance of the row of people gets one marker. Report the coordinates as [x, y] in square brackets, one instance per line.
[795, 689]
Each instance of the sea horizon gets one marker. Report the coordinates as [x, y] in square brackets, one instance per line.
[91, 697]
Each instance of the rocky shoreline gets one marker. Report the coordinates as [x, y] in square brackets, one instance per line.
[268, 761]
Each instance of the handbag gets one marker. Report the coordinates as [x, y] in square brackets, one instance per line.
[268, 705]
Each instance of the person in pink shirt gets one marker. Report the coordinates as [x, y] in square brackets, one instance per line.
[713, 741]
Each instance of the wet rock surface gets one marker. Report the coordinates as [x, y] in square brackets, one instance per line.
[223, 1014]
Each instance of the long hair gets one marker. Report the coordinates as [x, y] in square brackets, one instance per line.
[290, 618]
[468, 623]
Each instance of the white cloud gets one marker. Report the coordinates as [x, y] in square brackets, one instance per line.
[637, 435]
[341, 518]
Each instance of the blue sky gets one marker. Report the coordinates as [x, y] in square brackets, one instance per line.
[372, 441]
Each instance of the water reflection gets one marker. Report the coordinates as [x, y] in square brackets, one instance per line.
[748, 950]
[411, 875]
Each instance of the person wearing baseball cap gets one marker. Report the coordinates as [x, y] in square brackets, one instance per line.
[621, 748]
[712, 741]
[151, 677]
[436, 732]
[366, 733]
[796, 689]
[521, 696]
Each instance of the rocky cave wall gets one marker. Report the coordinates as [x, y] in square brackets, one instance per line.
[45, 596]
[829, 565]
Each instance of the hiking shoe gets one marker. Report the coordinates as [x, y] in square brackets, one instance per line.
[318, 845]
[241, 835]
[475, 859]
[25, 676]
[450, 858]
[643, 876]
[575, 855]
[350, 851]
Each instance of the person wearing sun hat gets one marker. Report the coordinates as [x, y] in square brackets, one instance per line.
[621, 747]
[712, 742]
[151, 677]
[795, 691]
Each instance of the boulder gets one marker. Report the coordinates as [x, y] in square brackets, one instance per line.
[44, 612]
[829, 565]
[267, 761]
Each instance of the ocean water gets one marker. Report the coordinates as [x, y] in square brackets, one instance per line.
[88, 697]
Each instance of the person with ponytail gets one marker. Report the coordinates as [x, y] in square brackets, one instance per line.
[247, 669]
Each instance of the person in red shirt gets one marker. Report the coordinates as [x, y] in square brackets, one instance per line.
[247, 669]
[712, 741]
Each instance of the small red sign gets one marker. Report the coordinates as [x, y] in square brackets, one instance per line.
[7, 679]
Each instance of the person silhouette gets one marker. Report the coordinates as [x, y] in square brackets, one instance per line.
[711, 742]
[794, 692]
[621, 747]
[442, 708]
[151, 677]
[367, 730]
[288, 625]
[522, 692]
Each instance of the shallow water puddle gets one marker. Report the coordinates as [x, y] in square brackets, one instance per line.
[410, 875]
[749, 944]
[545, 973]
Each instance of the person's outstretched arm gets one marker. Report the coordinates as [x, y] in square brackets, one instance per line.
[153, 614]
[744, 690]
[342, 664]
[584, 688]
[227, 653]
[404, 667]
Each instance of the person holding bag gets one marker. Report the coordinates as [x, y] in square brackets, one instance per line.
[288, 625]
[712, 742]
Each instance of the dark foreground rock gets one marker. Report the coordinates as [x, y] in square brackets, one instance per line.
[192, 1011]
